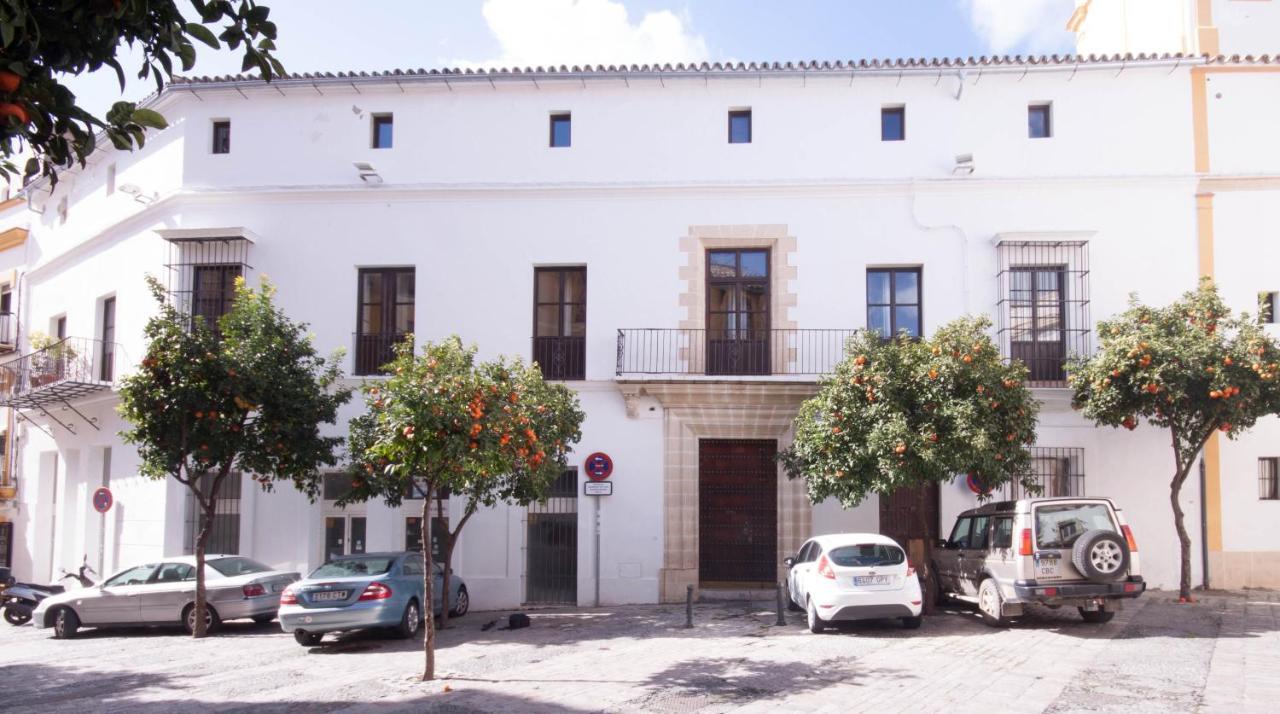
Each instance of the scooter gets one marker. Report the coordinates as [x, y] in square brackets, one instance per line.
[19, 600]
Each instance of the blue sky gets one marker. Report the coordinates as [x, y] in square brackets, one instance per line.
[326, 35]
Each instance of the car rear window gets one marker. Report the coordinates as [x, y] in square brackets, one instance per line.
[231, 567]
[867, 555]
[1058, 526]
[349, 567]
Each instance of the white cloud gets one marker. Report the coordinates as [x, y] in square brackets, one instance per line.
[569, 32]
[1027, 26]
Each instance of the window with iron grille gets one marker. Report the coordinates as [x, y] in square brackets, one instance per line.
[560, 322]
[203, 273]
[224, 533]
[1044, 306]
[1268, 301]
[1269, 478]
[386, 298]
[1058, 471]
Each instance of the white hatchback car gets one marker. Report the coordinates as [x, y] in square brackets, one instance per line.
[853, 576]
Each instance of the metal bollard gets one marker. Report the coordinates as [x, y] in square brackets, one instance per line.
[688, 606]
[782, 616]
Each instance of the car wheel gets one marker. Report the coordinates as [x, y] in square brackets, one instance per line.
[264, 618]
[1101, 556]
[913, 622]
[816, 623]
[307, 639]
[939, 593]
[462, 604]
[409, 621]
[211, 619]
[15, 617]
[990, 602]
[1096, 616]
[65, 623]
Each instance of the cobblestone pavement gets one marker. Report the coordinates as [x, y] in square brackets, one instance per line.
[1221, 654]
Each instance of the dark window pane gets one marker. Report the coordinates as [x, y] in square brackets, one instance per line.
[404, 319]
[1038, 121]
[575, 282]
[877, 288]
[382, 129]
[575, 320]
[723, 263]
[740, 127]
[560, 125]
[548, 319]
[335, 486]
[371, 288]
[893, 124]
[721, 298]
[907, 318]
[548, 285]
[404, 287]
[878, 320]
[755, 264]
[906, 287]
[222, 137]
[755, 298]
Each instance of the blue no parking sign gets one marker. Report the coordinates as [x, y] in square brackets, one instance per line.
[598, 466]
[102, 500]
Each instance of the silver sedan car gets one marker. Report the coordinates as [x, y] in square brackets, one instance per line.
[164, 592]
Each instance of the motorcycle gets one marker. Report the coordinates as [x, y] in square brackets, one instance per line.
[19, 600]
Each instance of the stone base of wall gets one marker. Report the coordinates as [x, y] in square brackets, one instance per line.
[675, 582]
[1232, 570]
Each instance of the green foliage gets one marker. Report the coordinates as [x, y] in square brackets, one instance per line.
[1191, 367]
[902, 413]
[488, 431]
[249, 396]
[43, 40]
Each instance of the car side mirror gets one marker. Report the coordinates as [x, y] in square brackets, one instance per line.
[943, 544]
[789, 562]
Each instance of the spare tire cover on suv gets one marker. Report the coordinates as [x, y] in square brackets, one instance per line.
[1101, 555]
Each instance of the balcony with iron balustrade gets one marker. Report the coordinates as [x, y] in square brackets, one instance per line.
[68, 370]
[783, 355]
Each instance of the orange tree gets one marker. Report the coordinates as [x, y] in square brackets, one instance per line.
[248, 396]
[906, 413]
[1192, 368]
[486, 432]
[44, 41]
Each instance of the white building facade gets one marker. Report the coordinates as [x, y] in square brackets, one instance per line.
[686, 247]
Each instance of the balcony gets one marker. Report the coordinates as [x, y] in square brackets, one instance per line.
[373, 351]
[67, 370]
[8, 332]
[731, 352]
[561, 358]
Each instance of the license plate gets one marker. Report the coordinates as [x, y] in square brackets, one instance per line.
[872, 579]
[276, 587]
[329, 596]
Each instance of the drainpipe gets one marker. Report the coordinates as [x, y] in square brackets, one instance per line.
[964, 246]
[1204, 530]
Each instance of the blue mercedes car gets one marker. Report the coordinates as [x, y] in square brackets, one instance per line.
[365, 591]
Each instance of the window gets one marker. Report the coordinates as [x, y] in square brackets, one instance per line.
[174, 573]
[893, 123]
[1059, 526]
[107, 368]
[60, 327]
[137, 575]
[1002, 533]
[560, 322]
[1269, 479]
[959, 534]
[893, 301]
[111, 179]
[8, 333]
[386, 305]
[413, 535]
[382, 126]
[224, 531]
[335, 486]
[740, 126]
[233, 567]
[222, 136]
[1057, 472]
[1267, 304]
[1038, 121]
[867, 555]
[213, 291]
[737, 312]
[1044, 305]
[561, 123]
[978, 533]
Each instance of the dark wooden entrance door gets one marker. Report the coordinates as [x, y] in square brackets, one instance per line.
[901, 518]
[737, 512]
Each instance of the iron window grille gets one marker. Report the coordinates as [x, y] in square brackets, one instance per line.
[203, 272]
[224, 533]
[1043, 306]
[1056, 472]
[551, 544]
[1269, 479]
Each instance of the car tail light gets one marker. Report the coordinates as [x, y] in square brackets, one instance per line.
[1131, 587]
[1050, 592]
[911, 568]
[1128, 536]
[824, 568]
[1025, 547]
[375, 591]
[289, 597]
[254, 590]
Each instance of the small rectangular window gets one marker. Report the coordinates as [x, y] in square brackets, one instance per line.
[740, 126]
[1038, 121]
[222, 136]
[561, 124]
[893, 124]
[1267, 304]
[382, 130]
[893, 301]
[1002, 533]
[1269, 479]
[107, 369]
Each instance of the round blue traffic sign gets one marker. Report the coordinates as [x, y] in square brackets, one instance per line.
[598, 466]
[102, 500]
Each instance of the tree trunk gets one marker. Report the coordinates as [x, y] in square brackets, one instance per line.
[1184, 540]
[428, 588]
[201, 539]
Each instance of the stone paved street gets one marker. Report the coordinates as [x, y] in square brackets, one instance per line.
[1220, 655]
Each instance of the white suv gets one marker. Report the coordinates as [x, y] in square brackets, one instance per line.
[1077, 552]
[853, 576]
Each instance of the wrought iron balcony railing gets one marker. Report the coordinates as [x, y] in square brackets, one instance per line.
[730, 352]
[66, 370]
[373, 351]
[561, 357]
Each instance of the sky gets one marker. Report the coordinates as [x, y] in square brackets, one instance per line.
[327, 35]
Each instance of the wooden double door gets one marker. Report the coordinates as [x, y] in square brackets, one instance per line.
[737, 512]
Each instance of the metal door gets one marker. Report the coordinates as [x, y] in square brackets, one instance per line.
[551, 548]
[910, 513]
[737, 511]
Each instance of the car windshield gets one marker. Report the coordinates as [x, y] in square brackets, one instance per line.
[866, 555]
[231, 567]
[348, 567]
[1058, 526]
